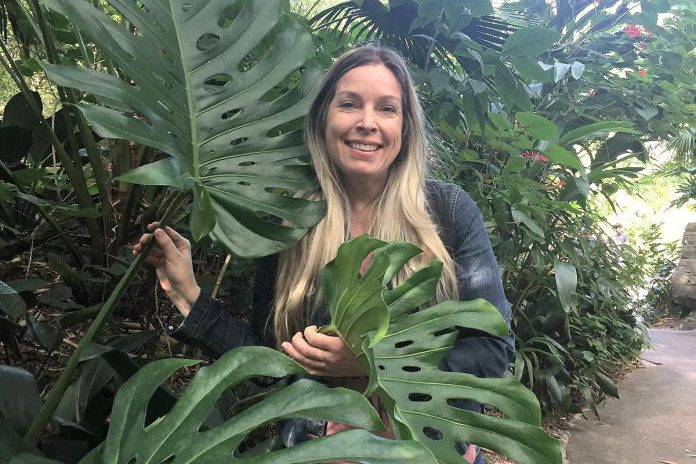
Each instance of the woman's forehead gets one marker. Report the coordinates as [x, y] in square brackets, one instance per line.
[370, 78]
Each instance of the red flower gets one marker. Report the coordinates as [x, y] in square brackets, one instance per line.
[534, 155]
[632, 31]
[643, 72]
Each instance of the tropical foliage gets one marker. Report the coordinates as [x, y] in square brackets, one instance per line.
[536, 110]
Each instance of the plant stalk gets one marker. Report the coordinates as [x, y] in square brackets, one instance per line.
[54, 396]
[228, 259]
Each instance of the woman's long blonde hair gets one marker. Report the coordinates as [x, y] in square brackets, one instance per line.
[399, 213]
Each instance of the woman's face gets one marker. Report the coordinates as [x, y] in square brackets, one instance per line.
[364, 123]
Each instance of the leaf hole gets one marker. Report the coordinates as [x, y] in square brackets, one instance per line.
[420, 397]
[245, 184]
[217, 82]
[238, 141]
[229, 14]
[411, 369]
[207, 41]
[247, 163]
[446, 331]
[432, 433]
[285, 128]
[172, 134]
[230, 114]
[248, 62]
[186, 7]
[142, 7]
[403, 344]
[380, 367]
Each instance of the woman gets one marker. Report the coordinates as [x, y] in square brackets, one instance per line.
[365, 133]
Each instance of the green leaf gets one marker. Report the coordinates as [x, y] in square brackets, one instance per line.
[414, 391]
[19, 398]
[645, 109]
[11, 303]
[537, 126]
[163, 172]
[595, 130]
[355, 301]
[530, 42]
[566, 283]
[43, 333]
[560, 155]
[27, 285]
[210, 86]
[518, 216]
[178, 432]
[510, 90]
[12, 444]
[606, 385]
[529, 68]
[30, 458]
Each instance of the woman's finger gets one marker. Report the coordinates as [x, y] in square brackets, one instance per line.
[300, 351]
[308, 351]
[176, 238]
[322, 341]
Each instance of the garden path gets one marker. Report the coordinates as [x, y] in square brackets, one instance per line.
[655, 419]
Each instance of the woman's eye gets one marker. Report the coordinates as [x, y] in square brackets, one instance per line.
[347, 104]
[389, 109]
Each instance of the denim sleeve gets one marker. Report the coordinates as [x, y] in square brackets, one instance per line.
[215, 330]
[476, 352]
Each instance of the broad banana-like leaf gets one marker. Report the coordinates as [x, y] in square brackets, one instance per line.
[418, 396]
[177, 437]
[196, 90]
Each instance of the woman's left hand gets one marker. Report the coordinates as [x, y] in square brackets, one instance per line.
[323, 355]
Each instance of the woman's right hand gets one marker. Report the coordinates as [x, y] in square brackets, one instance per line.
[171, 257]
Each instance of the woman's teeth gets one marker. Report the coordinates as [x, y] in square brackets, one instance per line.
[362, 146]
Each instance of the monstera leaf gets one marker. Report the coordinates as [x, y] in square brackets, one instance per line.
[202, 88]
[418, 395]
[177, 437]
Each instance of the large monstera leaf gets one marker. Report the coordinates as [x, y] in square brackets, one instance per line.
[177, 437]
[197, 88]
[418, 395]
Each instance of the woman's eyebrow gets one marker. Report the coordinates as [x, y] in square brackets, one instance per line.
[356, 96]
[349, 94]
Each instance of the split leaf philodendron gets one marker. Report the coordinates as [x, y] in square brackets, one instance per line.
[180, 436]
[403, 357]
[197, 91]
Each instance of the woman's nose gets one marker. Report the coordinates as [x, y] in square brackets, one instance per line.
[367, 120]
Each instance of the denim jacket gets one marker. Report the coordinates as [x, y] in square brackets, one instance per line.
[216, 331]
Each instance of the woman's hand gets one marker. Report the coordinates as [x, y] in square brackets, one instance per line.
[324, 355]
[171, 257]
